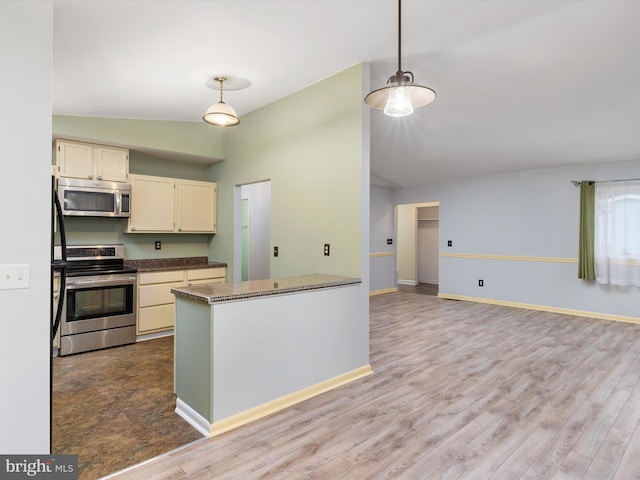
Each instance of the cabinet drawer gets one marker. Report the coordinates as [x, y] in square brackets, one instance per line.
[156, 318]
[160, 277]
[205, 280]
[157, 294]
[206, 273]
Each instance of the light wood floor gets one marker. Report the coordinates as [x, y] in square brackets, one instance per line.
[459, 391]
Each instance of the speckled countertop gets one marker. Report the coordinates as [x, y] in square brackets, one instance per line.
[181, 263]
[227, 292]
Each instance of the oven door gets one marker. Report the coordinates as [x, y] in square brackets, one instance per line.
[98, 302]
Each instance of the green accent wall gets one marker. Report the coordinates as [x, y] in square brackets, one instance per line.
[165, 149]
[310, 145]
[194, 141]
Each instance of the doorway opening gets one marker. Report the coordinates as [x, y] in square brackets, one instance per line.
[252, 231]
[418, 247]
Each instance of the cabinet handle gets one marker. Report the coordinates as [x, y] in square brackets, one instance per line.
[100, 177]
[179, 229]
[90, 177]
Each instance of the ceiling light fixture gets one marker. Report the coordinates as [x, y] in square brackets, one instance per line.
[220, 114]
[401, 95]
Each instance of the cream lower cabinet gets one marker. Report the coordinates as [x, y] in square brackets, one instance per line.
[206, 275]
[156, 303]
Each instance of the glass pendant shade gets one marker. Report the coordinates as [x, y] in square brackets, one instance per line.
[399, 98]
[221, 115]
[398, 102]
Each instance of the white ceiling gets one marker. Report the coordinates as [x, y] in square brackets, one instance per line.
[520, 84]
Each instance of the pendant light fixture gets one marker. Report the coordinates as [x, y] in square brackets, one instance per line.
[401, 95]
[220, 114]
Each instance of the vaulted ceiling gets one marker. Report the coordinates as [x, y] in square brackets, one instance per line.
[520, 85]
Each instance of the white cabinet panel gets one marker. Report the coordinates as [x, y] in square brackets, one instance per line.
[91, 162]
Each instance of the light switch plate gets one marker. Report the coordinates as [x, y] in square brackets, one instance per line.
[14, 276]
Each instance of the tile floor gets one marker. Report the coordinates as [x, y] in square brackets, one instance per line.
[115, 407]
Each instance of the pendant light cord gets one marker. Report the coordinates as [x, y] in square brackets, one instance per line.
[399, 34]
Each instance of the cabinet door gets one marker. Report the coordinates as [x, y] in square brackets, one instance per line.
[153, 319]
[152, 204]
[196, 206]
[111, 164]
[74, 160]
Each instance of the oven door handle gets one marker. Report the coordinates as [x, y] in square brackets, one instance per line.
[99, 283]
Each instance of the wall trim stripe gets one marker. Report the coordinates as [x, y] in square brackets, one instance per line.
[381, 254]
[543, 308]
[510, 257]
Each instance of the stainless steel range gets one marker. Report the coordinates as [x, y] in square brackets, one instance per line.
[100, 299]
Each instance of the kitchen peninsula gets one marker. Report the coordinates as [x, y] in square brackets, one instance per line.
[248, 349]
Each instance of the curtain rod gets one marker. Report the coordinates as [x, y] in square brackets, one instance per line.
[577, 183]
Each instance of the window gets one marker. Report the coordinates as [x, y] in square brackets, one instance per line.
[617, 232]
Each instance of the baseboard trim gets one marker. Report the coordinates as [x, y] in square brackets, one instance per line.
[192, 417]
[542, 308]
[273, 406]
[407, 282]
[281, 403]
[382, 291]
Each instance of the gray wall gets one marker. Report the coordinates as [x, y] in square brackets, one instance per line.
[25, 350]
[532, 215]
[382, 258]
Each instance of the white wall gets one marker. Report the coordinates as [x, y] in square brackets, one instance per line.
[25, 95]
[259, 197]
[407, 242]
[427, 246]
[532, 215]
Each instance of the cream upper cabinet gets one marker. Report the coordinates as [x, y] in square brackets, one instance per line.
[93, 162]
[153, 201]
[111, 164]
[160, 204]
[196, 206]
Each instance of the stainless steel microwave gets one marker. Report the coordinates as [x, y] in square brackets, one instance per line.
[93, 198]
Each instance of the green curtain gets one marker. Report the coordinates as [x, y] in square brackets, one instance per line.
[586, 253]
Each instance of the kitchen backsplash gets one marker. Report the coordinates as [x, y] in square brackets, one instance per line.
[90, 231]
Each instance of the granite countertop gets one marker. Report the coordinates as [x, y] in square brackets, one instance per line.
[181, 263]
[227, 292]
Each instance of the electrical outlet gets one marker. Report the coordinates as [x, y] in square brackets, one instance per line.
[389, 241]
[449, 243]
[14, 276]
[158, 244]
[275, 251]
[326, 249]
[481, 283]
